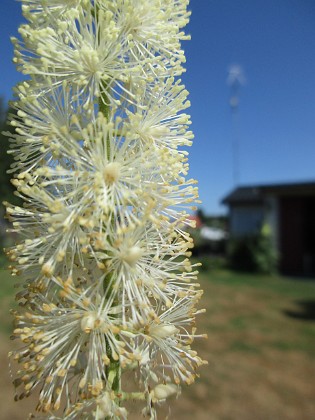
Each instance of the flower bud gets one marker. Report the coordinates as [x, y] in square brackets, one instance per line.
[163, 331]
[88, 322]
[163, 391]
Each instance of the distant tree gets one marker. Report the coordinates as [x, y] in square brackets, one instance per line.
[215, 221]
[201, 215]
[6, 188]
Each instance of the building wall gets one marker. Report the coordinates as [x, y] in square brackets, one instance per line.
[272, 219]
[291, 218]
[246, 219]
[297, 235]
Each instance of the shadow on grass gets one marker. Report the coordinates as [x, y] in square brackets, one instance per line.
[305, 311]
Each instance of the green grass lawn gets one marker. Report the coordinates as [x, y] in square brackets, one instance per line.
[7, 302]
[277, 308]
[261, 312]
[260, 348]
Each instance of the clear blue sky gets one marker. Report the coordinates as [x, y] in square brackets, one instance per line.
[274, 42]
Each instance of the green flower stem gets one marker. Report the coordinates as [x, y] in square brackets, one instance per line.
[125, 396]
[114, 368]
[103, 107]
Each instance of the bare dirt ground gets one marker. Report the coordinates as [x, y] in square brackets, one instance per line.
[260, 363]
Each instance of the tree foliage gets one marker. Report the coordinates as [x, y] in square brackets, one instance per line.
[6, 188]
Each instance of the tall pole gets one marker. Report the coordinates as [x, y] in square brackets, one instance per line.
[235, 80]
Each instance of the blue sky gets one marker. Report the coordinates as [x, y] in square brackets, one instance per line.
[274, 42]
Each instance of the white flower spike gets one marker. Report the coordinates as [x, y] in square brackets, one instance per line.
[100, 130]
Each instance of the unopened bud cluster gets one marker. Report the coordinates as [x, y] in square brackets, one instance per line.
[107, 285]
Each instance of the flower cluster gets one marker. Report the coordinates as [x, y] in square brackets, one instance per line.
[107, 285]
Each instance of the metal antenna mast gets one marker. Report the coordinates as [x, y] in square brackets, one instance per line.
[235, 80]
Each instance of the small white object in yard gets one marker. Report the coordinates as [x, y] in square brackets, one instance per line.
[212, 234]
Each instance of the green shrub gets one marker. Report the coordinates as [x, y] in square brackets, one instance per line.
[254, 253]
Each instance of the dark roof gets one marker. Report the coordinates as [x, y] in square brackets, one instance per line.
[255, 194]
[244, 195]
